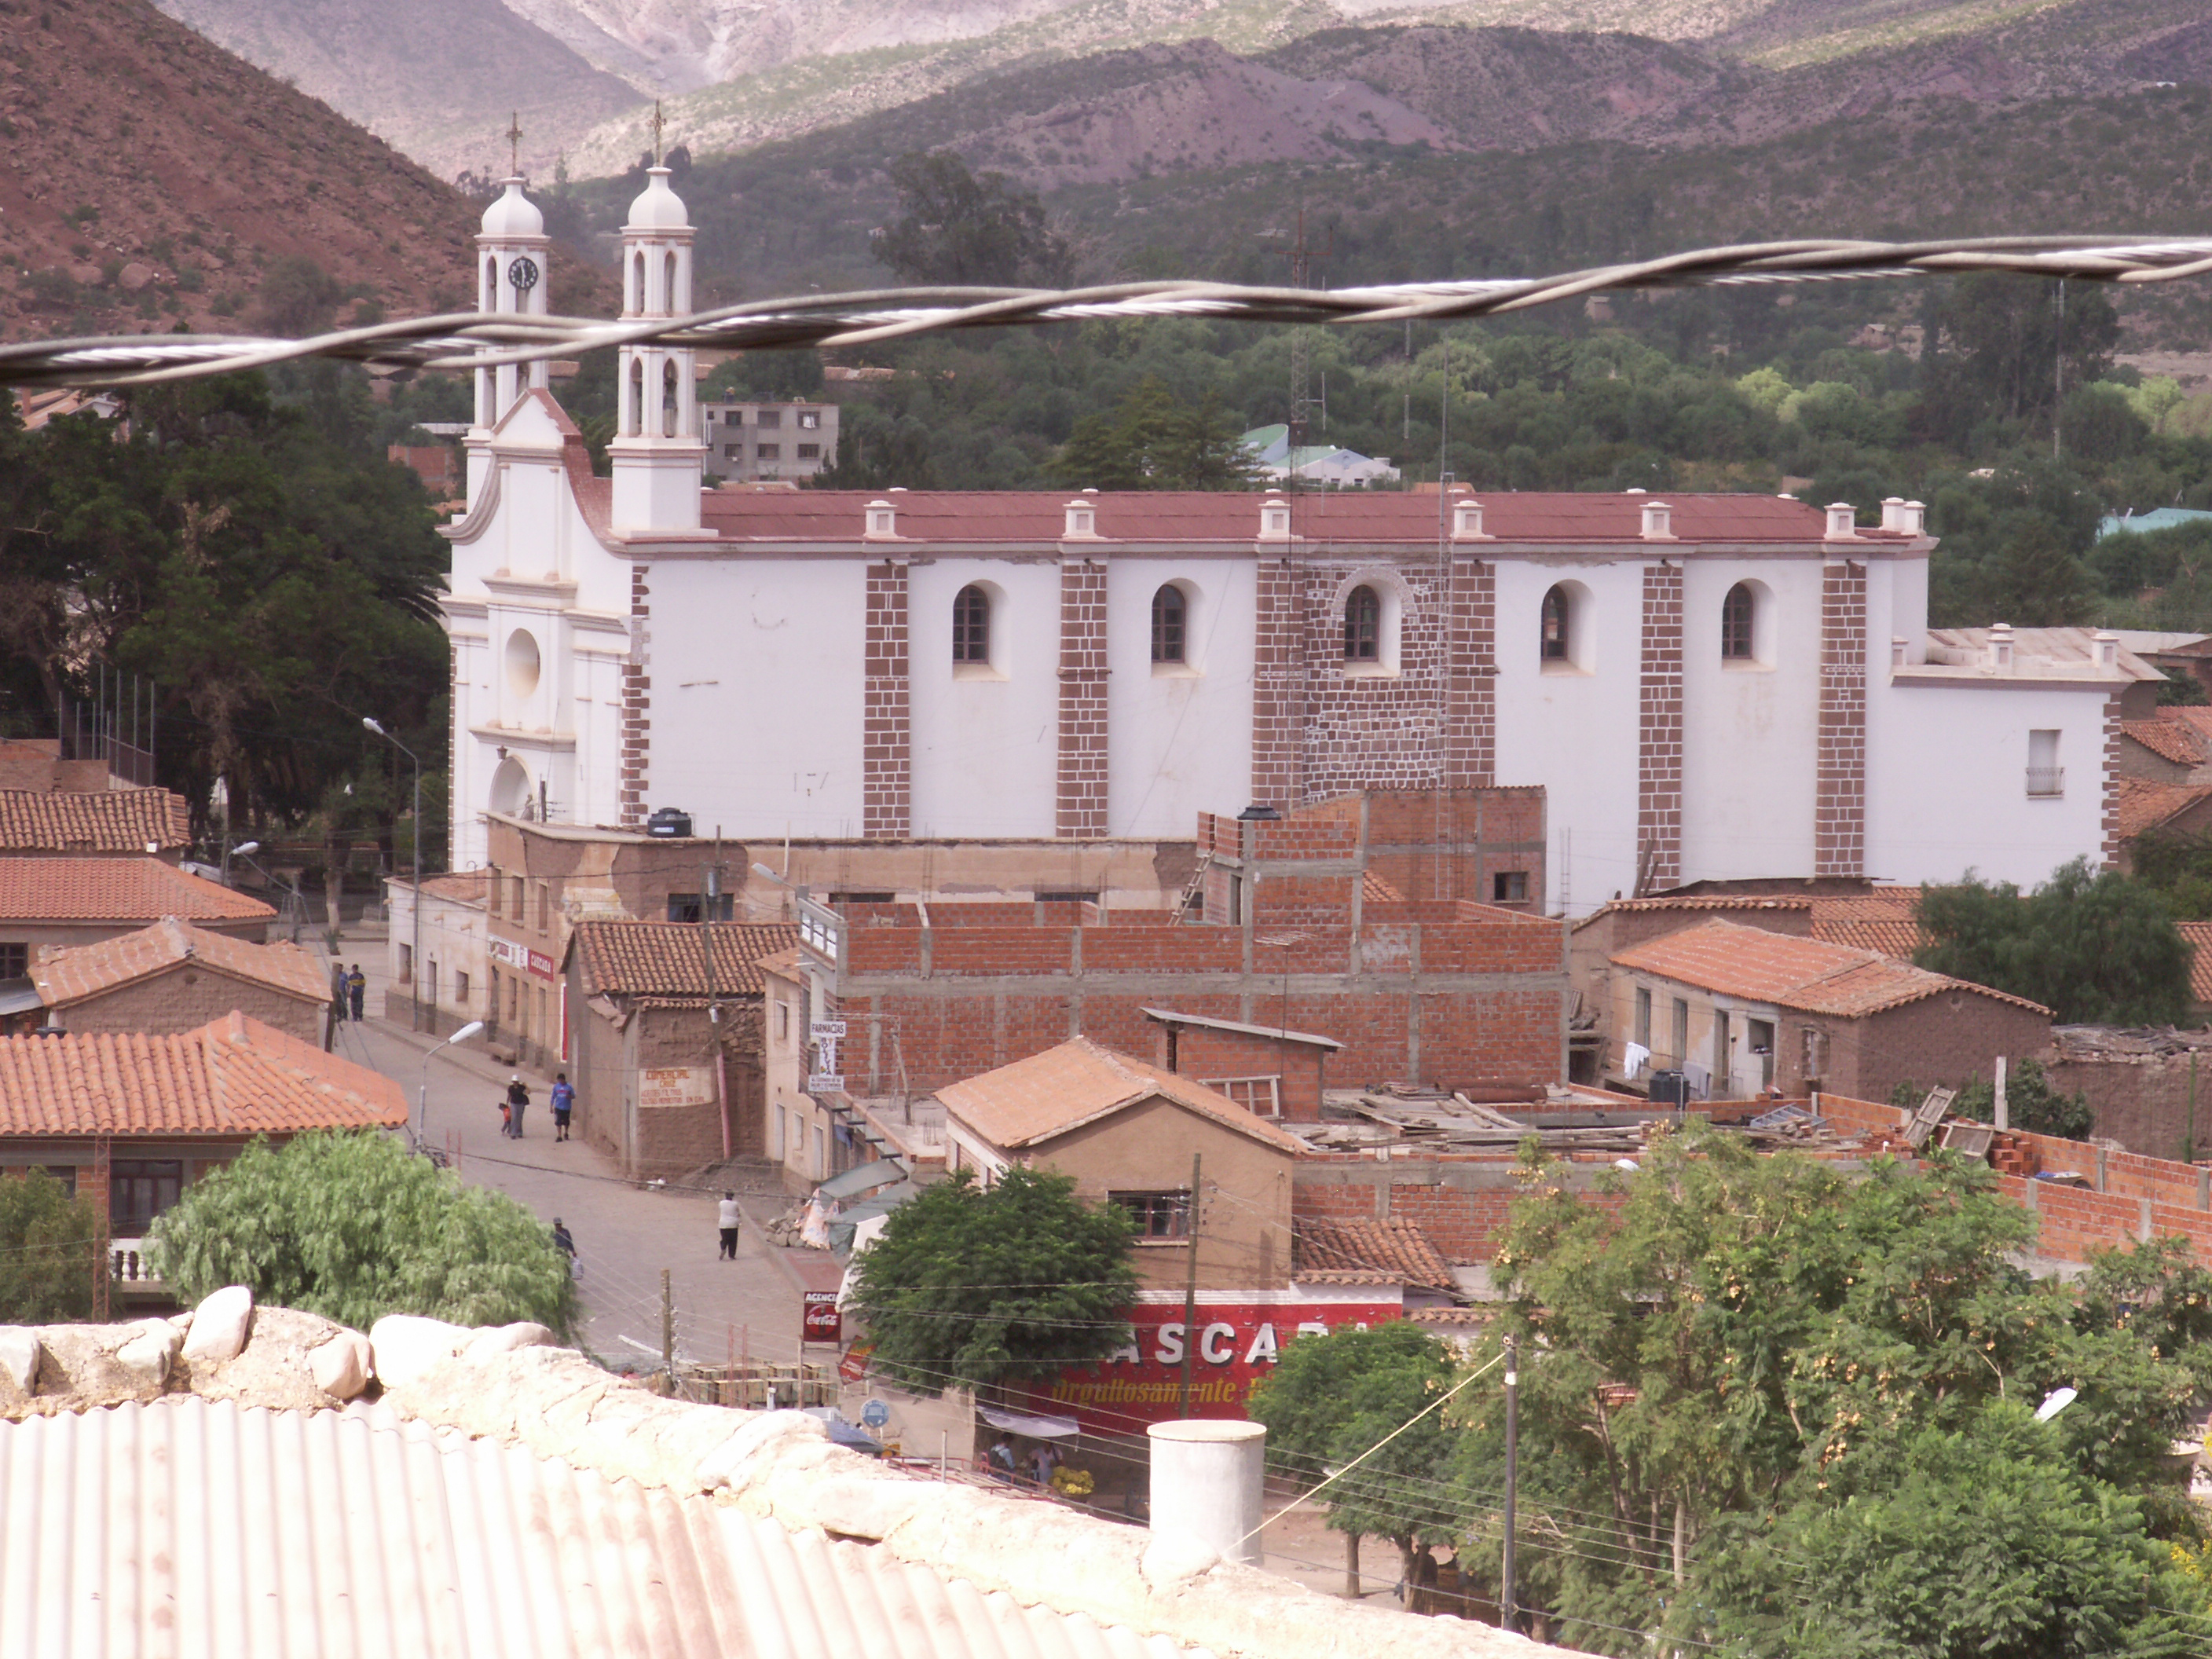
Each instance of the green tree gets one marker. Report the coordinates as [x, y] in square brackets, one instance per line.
[961, 229]
[48, 1250]
[2005, 348]
[2094, 948]
[1334, 1398]
[2031, 1104]
[1153, 441]
[353, 1226]
[971, 1286]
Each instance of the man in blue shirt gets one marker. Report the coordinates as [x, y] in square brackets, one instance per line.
[564, 1102]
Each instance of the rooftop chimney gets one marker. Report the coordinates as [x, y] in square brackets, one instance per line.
[1898, 646]
[1205, 1484]
[2108, 649]
[1082, 522]
[1467, 522]
[1274, 520]
[1893, 513]
[883, 522]
[1658, 522]
[2001, 646]
[1843, 522]
[1913, 521]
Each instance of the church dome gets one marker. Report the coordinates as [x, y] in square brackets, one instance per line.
[658, 207]
[513, 215]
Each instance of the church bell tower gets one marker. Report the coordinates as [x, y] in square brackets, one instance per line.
[658, 457]
[511, 271]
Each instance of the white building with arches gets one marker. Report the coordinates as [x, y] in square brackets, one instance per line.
[1708, 687]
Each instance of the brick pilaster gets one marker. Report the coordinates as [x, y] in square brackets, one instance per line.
[1839, 785]
[1659, 733]
[1082, 670]
[637, 700]
[886, 730]
[1277, 684]
[1470, 712]
[2109, 783]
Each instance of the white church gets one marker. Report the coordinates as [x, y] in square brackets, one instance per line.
[1707, 686]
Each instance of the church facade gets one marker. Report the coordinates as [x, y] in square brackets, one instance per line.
[1706, 686]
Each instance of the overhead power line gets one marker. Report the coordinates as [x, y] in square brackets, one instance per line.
[474, 339]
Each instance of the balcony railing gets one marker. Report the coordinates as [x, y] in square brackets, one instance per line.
[127, 1264]
[2046, 780]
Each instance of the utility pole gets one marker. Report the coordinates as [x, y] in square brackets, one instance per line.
[668, 1329]
[1509, 1615]
[1190, 1292]
[1301, 254]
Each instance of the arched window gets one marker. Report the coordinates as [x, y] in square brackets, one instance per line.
[1363, 626]
[668, 399]
[1167, 613]
[972, 626]
[669, 300]
[637, 280]
[1554, 626]
[490, 284]
[636, 396]
[1737, 612]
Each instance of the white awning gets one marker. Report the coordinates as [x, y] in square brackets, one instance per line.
[1037, 1428]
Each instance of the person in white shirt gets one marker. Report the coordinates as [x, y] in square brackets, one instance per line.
[726, 1218]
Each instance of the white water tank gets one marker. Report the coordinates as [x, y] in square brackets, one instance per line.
[1207, 1484]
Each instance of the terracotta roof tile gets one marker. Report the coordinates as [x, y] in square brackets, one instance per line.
[93, 820]
[233, 1076]
[68, 976]
[2174, 740]
[1394, 1248]
[668, 959]
[1899, 939]
[2144, 805]
[1077, 1082]
[2199, 935]
[835, 515]
[468, 886]
[140, 890]
[1810, 974]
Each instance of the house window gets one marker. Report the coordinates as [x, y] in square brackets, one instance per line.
[1363, 626]
[514, 1000]
[66, 1174]
[733, 451]
[544, 906]
[460, 989]
[1680, 1051]
[972, 626]
[2046, 777]
[1262, 1097]
[810, 419]
[1644, 1016]
[1736, 612]
[406, 964]
[15, 961]
[430, 982]
[1816, 1053]
[1509, 887]
[1168, 613]
[692, 907]
[1554, 621]
[768, 452]
[769, 418]
[782, 1022]
[1158, 1215]
[810, 452]
[139, 1189]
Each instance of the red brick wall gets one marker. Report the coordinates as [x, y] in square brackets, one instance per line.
[886, 748]
[1659, 732]
[1470, 731]
[1839, 787]
[1203, 1053]
[1082, 670]
[1278, 685]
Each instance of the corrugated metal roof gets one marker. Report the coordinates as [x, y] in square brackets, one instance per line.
[196, 1528]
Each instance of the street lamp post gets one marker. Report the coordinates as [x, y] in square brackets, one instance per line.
[414, 837]
[423, 1094]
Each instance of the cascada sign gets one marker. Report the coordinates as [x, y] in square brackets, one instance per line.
[1233, 1343]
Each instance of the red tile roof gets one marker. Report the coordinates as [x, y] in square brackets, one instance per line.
[2145, 805]
[1394, 1249]
[2199, 935]
[70, 975]
[1077, 1082]
[668, 959]
[140, 890]
[465, 886]
[93, 820]
[1809, 975]
[1888, 938]
[232, 1077]
[2174, 740]
[1037, 516]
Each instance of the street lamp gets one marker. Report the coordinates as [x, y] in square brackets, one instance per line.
[241, 849]
[414, 837]
[422, 1095]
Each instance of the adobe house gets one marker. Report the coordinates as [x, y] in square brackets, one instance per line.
[1742, 1011]
[1127, 1132]
[663, 1040]
[1271, 1070]
[174, 977]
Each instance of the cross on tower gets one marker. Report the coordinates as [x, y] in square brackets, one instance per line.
[513, 136]
[656, 132]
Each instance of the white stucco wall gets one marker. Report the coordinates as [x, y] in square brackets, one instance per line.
[986, 745]
[1181, 738]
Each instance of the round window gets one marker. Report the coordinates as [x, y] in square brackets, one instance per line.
[521, 662]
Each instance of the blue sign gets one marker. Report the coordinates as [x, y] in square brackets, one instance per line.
[875, 1414]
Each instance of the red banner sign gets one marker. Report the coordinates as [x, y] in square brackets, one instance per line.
[1239, 1336]
[819, 1320]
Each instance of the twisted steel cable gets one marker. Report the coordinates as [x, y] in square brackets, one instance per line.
[462, 340]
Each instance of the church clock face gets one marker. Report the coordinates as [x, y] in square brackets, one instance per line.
[523, 273]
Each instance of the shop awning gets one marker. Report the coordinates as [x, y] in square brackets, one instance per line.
[1037, 1428]
[862, 1178]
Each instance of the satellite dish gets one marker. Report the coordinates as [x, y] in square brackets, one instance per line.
[2056, 1402]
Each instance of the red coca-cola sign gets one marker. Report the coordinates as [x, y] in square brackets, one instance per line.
[819, 1320]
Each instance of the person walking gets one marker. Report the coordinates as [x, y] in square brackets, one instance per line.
[564, 1102]
[566, 1244]
[518, 1096]
[506, 1117]
[726, 1217]
[356, 985]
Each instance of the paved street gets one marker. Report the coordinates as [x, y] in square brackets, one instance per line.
[625, 1236]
